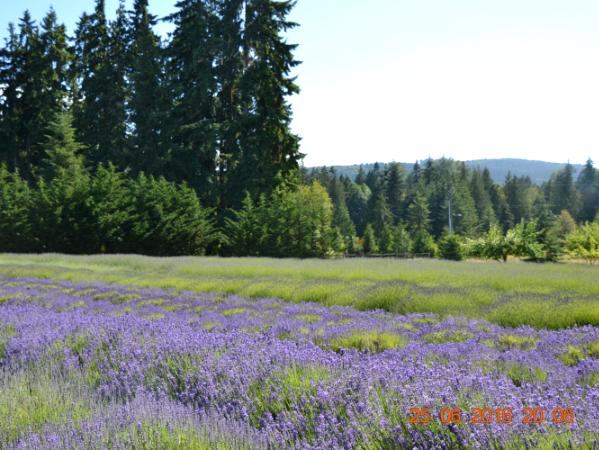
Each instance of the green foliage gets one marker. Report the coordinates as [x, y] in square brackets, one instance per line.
[523, 240]
[572, 356]
[77, 212]
[511, 341]
[63, 152]
[246, 229]
[424, 244]
[29, 402]
[386, 240]
[441, 337]
[294, 384]
[300, 222]
[16, 202]
[402, 242]
[561, 192]
[516, 372]
[292, 222]
[34, 76]
[167, 219]
[593, 349]
[148, 151]
[450, 247]
[584, 242]
[100, 90]
[369, 341]
[370, 244]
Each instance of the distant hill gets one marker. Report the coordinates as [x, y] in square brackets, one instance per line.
[538, 171]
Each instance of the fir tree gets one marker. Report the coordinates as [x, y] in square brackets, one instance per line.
[193, 87]
[268, 147]
[149, 101]
[588, 186]
[395, 189]
[63, 152]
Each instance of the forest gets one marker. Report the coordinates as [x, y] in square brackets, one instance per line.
[115, 140]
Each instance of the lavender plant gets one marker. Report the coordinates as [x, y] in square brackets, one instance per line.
[131, 367]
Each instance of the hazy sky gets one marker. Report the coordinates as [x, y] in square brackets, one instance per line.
[407, 79]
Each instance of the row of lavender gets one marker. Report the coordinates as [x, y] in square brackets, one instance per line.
[298, 375]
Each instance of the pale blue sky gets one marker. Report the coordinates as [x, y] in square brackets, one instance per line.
[404, 79]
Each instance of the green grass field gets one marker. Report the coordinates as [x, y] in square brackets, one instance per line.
[518, 293]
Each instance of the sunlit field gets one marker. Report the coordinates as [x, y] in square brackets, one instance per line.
[540, 295]
[99, 365]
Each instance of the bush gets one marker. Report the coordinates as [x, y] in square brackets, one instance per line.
[424, 244]
[370, 244]
[584, 242]
[450, 247]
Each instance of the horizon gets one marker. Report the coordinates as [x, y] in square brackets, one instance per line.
[449, 157]
[427, 79]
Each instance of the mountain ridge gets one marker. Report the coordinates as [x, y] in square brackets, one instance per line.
[538, 171]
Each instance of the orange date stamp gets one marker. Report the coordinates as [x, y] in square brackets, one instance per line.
[486, 416]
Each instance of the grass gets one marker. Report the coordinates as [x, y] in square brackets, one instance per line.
[540, 295]
[510, 341]
[28, 402]
[292, 383]
[574, 354]
[442, 337]
[369, 341]
[518, 373]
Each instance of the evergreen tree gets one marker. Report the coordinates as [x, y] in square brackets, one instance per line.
[229, 69]
[480, 189]
[341, 217]
[246, 229]
[402, 242]
[168, 219]
[380, 215]
[361, 176]
[63, 152]
[395, 189]
[193, 87]
[28, 98]
[370, 243]
[386, 239]
[149, 101]
[520, 195]
[268, 147]
[357, 205]
[9, 100]
[16, 200]
[418, 214]
[99, 110]
[560, 191]
[588, 186]
[450, 247]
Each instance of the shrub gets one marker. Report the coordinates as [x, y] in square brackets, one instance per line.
[584, 242]
[450, 247]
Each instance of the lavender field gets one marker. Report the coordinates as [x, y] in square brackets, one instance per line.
[98, 365]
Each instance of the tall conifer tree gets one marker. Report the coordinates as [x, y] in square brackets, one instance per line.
[269, 148]
[149, 105]
[193, 86]
[100, 108]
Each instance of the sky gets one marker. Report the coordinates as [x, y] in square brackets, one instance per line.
[402, 80]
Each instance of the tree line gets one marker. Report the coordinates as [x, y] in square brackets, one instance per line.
[443, 208]
[208, 106]
[115, 140]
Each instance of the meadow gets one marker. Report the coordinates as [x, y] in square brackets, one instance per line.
[97, 365]
[120, 352]
[551, 296]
